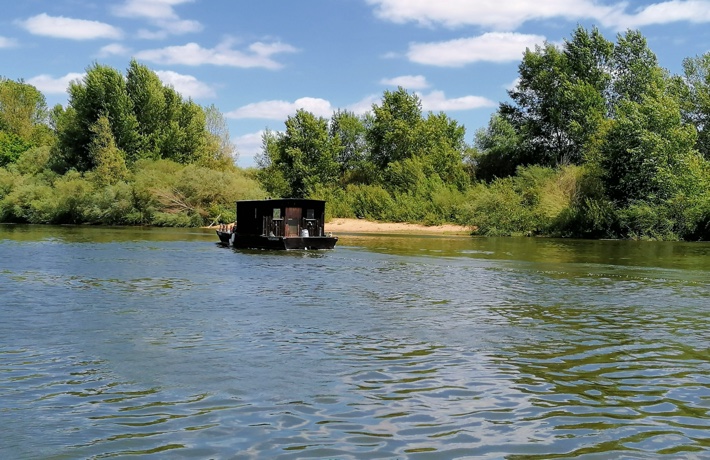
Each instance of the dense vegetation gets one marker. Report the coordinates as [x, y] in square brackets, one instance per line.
[597, 140]
[125, 151]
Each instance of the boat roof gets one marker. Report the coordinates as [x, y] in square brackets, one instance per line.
[277, 201]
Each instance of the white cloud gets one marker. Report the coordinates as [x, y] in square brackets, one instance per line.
[152, 9]
[7, 42]
[510, 14]
[407, 81]
[49, 85]
[248, 146]
[364, 105]
[187, 85]
[160, 14]
[489, 47]
[257, 55]
[512, 85]
[73, 29]
[114, 49]
[436, 101]
[493, 14]
[167, 28]
[280, 110]
[696, 11]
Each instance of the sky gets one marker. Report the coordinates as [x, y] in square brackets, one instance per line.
[260, 61]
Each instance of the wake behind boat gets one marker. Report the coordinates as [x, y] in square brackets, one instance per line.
[287, 223]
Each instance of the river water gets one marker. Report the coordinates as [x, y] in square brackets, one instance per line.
[159, 343]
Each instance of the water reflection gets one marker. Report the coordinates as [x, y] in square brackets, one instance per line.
[140, 344]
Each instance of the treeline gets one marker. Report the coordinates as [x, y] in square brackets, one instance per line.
[597, 141]
[126, 150]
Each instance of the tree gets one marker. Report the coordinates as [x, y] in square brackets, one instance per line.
[109, 160]
[498, 151]
[224, 151]
[269, 174]
[23, 108]
[300, 160]
[443, 144]
[350, 132]
[102, 92]
[634, 69]
[24, 120]
[145, 90]
[647, 149]
[393, 135]
[696, 86]
[558, 102]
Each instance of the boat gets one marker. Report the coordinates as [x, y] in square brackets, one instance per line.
[285, 223]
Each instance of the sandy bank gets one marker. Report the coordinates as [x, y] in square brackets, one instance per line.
[340, 225]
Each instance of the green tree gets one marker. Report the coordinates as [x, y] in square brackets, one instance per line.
[350, 132]
[647, 149]
[102, 92]
[145, 90]
[109, 160]
[558, 102]
[23, 109]
[634, 69]
[393, 135]
[307, 154]
[442, 142]
[696, 85]
[269, 174]
[224, 151]
[498, 152]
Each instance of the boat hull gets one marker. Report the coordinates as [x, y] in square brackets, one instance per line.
[277, 242]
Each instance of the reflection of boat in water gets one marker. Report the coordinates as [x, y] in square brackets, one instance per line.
[288, 223]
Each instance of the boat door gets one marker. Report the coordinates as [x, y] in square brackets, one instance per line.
[292, 222]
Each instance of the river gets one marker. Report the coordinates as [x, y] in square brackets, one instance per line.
[159, 343]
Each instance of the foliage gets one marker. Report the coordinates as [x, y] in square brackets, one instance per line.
[301, 159]
[695, 97]
[596, 141]
[147, 121]
[645, 152]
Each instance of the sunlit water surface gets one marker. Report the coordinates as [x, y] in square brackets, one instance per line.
[161, 343]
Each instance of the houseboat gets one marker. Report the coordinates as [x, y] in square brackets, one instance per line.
[287, 223]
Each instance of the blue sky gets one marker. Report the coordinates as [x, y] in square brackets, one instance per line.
[259, 61]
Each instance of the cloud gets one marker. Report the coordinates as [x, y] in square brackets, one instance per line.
[511, 14]
[436, 101]
[167, 28]
[280, 110]
[114, 49]
[160, 14]
[49, 85]
[512, 85]
[489, 47]
[73, 29]
[152, 9]
[492, 14]
[256, 55]
[248, 146]
[7, 42]
[695, 11]
[364, 105]
[406, 81]
[187, 85]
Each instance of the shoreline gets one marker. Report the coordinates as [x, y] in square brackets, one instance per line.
[343, 225]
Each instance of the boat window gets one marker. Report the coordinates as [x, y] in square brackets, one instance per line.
[277, 213]
[310, 213]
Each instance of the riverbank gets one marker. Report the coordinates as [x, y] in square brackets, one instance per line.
[341, 225]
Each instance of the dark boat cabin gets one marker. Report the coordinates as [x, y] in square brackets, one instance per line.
[287, 217]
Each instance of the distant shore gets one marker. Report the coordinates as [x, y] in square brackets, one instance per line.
[341, 225]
